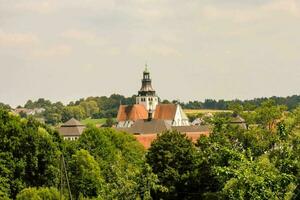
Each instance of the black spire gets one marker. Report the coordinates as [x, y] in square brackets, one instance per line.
[146, 89]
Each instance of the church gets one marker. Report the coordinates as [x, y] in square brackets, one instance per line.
[148, 116]
[148, 108]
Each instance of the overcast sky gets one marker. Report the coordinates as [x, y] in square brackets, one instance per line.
[66, 49]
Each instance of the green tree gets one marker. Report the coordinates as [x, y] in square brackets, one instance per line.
[269, 113]
[30, 151]
[4, 106]
[85, 177]
[90, 107]
[120, 158]
[39, 194]
[172, 157]
[257, 179]
[109, 122]
[76, 112]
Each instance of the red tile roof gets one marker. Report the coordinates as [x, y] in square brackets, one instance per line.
[147, 139]
[132, 113]
[165, 111]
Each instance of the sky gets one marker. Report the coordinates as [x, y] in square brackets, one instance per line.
[64, 50]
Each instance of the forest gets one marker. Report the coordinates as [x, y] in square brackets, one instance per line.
[260, 162]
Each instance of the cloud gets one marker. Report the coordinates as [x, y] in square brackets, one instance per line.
[86, 37]
[291, 7]
[155, 50]
[79, 35]
[40, 6]
[17, 39]
[252, 13]
[52, 51]
[113, 51]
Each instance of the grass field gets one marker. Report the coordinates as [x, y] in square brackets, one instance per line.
[93, 121]
[203, 111]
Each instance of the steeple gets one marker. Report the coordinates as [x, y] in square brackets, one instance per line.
[146, 89]
[146, 95]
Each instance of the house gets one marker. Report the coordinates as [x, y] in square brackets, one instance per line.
[238, 120]
[28, 111]
[71, 130]
[198, 122]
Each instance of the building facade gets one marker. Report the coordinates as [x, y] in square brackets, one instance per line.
[147, 95]
[147, 107]
[71, 130]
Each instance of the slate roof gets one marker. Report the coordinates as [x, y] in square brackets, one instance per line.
[146, 88]
[147, 127]
[72, 122]
[132, 113]
[155, 126]
[191, 129]
[71, 128]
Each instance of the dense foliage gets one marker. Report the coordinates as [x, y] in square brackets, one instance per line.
[291, 102]
[261, 161]
[39, 194]
[107, 107]
[102, 164]
[93, 107]
[233, 163]
[28, 154]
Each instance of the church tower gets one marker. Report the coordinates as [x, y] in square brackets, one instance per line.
[146, 95]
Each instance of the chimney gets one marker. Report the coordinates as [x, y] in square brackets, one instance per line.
[150, 115]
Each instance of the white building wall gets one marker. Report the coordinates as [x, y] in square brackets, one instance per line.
[150, 102]
[180, 118]
[71, 138]
[124, 124]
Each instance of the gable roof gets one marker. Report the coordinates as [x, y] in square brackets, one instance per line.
[72, 122]
[132, 113]
[165, 111]
[237, 119]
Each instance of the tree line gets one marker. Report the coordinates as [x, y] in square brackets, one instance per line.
[260, 162]
[91, 107]
[107, 107]
[291, 102]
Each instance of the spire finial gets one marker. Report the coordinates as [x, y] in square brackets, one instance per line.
[146, 68]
